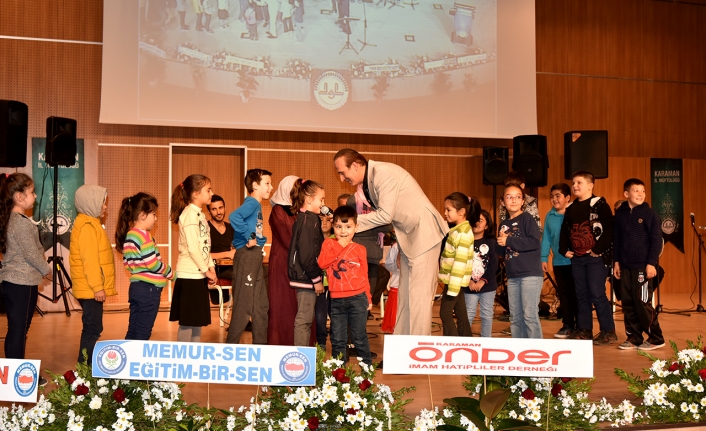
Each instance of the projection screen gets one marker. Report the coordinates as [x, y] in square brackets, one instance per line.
[463, 68]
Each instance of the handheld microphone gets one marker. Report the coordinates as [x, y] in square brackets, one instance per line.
[253, 236]
[326, 211]
[692, 219]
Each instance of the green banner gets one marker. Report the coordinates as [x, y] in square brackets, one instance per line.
[668, 198]
[70, 179]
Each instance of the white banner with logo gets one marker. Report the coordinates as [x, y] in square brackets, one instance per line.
[235, 364]
[19, 380]
[413, 354]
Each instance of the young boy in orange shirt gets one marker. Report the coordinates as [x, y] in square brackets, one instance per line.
[346, 268]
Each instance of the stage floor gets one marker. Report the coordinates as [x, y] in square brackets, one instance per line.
[54, 339]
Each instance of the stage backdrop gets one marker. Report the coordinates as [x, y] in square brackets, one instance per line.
[668, 198]
[463, 68]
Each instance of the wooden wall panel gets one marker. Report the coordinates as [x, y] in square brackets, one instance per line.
[54, 19]
[638, 39]
[656, 118]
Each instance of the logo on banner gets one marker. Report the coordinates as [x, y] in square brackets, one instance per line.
[331, 90]
[111, 359]
[295, 367]
[25, 379]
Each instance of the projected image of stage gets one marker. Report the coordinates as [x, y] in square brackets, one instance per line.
[319, 57]
[463, 68]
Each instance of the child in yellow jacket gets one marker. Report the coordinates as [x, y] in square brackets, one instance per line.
[92, 265]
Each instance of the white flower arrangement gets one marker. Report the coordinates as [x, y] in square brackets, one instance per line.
[343, 396]
[673, 390]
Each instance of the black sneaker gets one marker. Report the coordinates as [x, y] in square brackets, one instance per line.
[581, 334]
[605, 338]
[564, 333]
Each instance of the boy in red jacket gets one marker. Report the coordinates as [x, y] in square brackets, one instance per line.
[346, 267]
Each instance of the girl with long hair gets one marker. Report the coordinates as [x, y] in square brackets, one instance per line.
[23, 264]
[195, 268]
[141, 258]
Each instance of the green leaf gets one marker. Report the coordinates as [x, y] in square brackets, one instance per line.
[464, 403]
[513, 424]
[493, 402]
[491, 385]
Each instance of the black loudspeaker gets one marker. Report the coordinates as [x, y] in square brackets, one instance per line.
[61, 142]
[495, 165]
[529, 156]
[13, 134]
[586, 150]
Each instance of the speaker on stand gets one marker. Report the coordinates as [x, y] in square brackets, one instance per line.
[60, 151]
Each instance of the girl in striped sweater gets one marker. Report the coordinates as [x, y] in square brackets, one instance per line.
[148, 274]
[456, 262]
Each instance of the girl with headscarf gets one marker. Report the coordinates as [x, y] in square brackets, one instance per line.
[92, 265]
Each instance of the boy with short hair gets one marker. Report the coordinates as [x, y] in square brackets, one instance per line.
[587, 239]
[249, 289]
[560, 198]
[346, 266]
[638, 242]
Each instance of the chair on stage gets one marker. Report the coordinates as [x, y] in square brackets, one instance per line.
[223, 284]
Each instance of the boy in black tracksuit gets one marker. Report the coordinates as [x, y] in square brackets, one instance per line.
[637, 245]
[587, 239]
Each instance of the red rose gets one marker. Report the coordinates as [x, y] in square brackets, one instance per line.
[566, 379]
[119, 395]
[345, 379]
[675, 366]
[365, 384]
[556, 389]
[702, 373]
[339, 374]
[351, 411]
[313, 423]
[528, 394]
[69, 376]
[81, 389]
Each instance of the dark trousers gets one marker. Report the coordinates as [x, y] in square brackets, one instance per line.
[323, 306]
[636, 293]
[383, 277]
[350, 312]
[451, 305]
[20, 302]
[589, 277]
[92, 327]
[249, 296]
[144, 306]
[566, 290]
